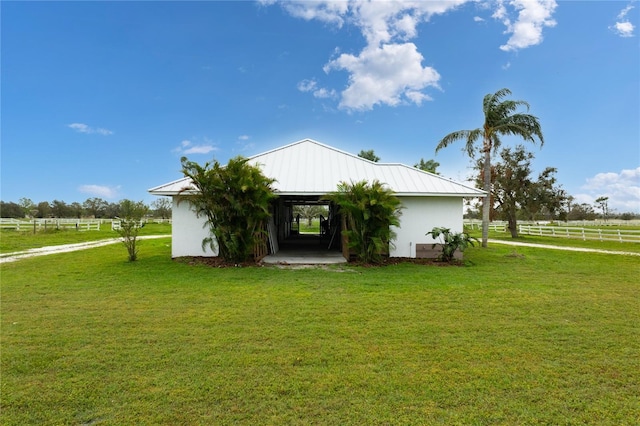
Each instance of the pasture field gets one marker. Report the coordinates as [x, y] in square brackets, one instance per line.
[314, 228]
[531, 336]
[13, 241]
[563, 242]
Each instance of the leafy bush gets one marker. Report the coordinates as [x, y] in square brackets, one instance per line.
[452, 241]
[235, 200]
[370, 211]
[131, 213]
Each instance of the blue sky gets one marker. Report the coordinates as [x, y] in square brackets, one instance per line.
[101, 99]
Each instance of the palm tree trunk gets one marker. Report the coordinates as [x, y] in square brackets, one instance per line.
[486, 201]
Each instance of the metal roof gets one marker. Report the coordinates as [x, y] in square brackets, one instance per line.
[308, 167]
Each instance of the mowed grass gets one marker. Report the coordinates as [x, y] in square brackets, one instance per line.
[633, 247]
[533, 337]
[14, 241]
[314, 228]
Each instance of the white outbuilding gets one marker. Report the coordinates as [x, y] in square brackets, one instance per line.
[307, 170]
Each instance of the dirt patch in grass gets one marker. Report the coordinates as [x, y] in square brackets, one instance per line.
[218, 262]
[215, 262]
[403, 260]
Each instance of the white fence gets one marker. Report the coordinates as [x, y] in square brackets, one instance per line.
[158, 220]
[576, 232]
[493, 226]
[117, 223]
[623, 236]
[45, 224]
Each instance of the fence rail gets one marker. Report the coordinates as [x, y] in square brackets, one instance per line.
[623, 236]
[44, 224]
[575, 232]
[116, 224]
[493, 226]
[477, 223]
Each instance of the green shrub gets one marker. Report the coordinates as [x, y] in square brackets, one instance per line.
[370, 211]
[452, 241]
[132, 213]
[235, 199]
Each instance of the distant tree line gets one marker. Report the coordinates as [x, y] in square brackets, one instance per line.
[91, 208]
[516, 195]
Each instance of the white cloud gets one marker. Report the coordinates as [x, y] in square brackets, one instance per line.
[331, 12]
[623, 27]
[101, 191]
[307, 85]
[244, 143]
[623, 12]
[199, 149]
[389, 74]
[388, 27]
[324, 93]
[79, 127]
[500, 13]
[526, 30]
[388, 71]
[187, 147]
[623, 190]
[83, 128]
[389, 21]
[318, 92]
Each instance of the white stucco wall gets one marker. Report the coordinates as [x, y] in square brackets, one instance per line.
[419, 216]
[187, 232]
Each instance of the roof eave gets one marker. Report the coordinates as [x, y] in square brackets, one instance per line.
[440, 194]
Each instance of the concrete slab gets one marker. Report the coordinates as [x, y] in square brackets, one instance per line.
[305, 257]
[305, 249]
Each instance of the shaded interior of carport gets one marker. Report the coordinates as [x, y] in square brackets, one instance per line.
[289, 246]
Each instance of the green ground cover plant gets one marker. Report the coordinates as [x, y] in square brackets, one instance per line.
[451, 242]
[13, 241]
[533, 337]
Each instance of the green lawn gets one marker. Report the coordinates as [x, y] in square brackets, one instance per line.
[561, 241]
[13, 241]
[305, 228]
[514, 337]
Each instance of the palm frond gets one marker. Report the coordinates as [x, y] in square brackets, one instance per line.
[455, 136]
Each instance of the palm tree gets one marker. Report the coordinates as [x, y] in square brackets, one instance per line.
[500, 119]
[371, 211]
